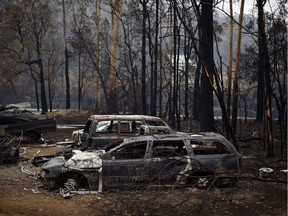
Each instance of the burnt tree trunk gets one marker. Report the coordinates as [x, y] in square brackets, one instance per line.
[206, 52]
[143, 61]
[67, 80]
[268, 89]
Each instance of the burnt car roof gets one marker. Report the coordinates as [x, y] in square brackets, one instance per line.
[178, 136]
[124, 117]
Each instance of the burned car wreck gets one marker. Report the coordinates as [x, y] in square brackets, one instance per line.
[100, 130]
[18, 121]
[17, 113]
[153, 160]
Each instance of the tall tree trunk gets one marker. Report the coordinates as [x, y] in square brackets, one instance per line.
[66, 58]
[42, 87]
[143, 61]
[260, 75]
[79, 79]
[230, 60]
[236, 74]
[268, 89]
[154, 94]
[36, 94]
[169, 102]
[178, 89]
[99, 35]
[197, 90]
[36, 88]
[206, 51]
[50, 95]
[175, 66]
[196, 93]
[39, 61]
[160, 79]
[187, 53]
[116, 14]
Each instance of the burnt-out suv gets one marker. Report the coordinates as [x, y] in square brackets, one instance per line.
[101, 130]
[170, 160]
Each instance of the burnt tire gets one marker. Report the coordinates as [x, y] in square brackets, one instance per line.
[32, 136]
[200, 180]
[76, 181]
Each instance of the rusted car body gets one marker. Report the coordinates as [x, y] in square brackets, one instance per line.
[153, 160]
[101, 130]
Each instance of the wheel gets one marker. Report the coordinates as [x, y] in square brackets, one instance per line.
[75, 181]
[203, 182]
[32, 136]
[200, 180]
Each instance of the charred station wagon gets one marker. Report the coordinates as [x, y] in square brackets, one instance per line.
[154, 160]
[100, 130]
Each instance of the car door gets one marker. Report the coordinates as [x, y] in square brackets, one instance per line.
[169, 162]
[125, 166]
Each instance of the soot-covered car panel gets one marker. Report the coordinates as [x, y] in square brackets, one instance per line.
[148, 160]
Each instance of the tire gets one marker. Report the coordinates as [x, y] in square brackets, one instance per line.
[76, 181]
[32, 136]
[200, 180]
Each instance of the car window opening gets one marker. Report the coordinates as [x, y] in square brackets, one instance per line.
[133, 151]
[209, 148]
[169, 149]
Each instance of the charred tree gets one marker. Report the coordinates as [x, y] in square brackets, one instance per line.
[197, 92]
[155, 72]
[230, 72]
[206, 52]
[143, 61]
[268, 88]
[187, 53]
[98, 66]
[236, 74]
[115, 34]
[260, 73]
[67, 80]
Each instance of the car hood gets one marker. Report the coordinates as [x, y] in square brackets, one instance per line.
[54, 162]
[85, 160]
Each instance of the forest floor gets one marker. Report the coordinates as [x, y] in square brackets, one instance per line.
[22, 194]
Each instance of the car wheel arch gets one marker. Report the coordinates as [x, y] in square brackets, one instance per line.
[80, 179]
[194, 178]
